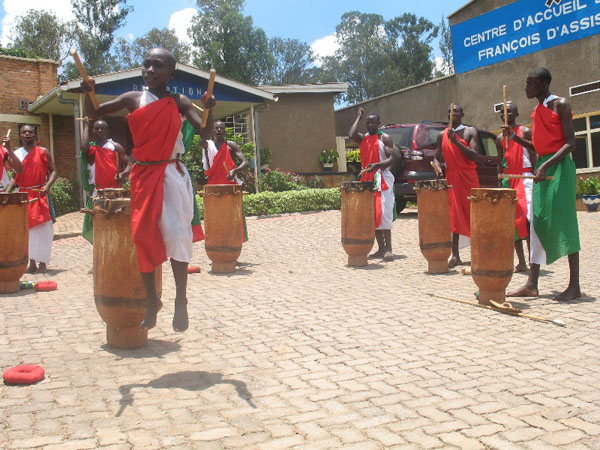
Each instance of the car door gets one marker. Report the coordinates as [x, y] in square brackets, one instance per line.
[488, 160]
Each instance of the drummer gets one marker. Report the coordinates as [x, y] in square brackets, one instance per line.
[39, 173]
[376, 158]
[162, 197]
[217, 154]
[102, 155]
[518, 159]
[458, 147]
[8, 161]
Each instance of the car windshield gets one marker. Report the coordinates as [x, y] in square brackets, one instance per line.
[402, 136]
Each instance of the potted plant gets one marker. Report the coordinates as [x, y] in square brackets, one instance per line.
[353, 162]
[327, 158]
[589, 189]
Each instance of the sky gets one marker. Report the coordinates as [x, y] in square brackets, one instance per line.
[311, 21]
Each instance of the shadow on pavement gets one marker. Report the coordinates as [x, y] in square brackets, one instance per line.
[583, 299]
[370, 266]
[154, 349]
[188, 380]
[237, 272]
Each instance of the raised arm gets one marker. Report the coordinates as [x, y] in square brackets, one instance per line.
[187, 109]
[471, 137]
[128, 100]
[85, 136]
[524, 141]
[353, 133]
[12, 159]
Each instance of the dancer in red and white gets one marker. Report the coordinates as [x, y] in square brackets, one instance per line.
[39, 173]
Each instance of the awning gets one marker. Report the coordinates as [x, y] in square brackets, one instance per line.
[232, 97]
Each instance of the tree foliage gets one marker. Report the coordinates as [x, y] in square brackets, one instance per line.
[446, 48]
[376, 56]
[131, 54]
[228, 41]
[96, 24]
[43, 34]
[293, 61]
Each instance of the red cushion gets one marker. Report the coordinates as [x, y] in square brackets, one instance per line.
[46, 286]
[193, 269]
[24, 374]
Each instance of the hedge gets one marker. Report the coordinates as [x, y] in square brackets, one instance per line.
[268, 202]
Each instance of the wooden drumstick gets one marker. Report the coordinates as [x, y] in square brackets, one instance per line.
[209, 91]
[505, 115]
[197, 107]
[451, 116]
[225, 167]
[526, 177]
[436, 169]
[85, 77]
[8, 133]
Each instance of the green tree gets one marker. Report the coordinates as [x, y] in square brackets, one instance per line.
[97, 22]
[228, 41]
[293, 60]
[129, 55]
[43, 34]
[446, 49]
[376, 56]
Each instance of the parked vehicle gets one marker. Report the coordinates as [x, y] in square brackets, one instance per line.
[416, 143]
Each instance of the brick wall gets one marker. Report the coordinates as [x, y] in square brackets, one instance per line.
[24, 79]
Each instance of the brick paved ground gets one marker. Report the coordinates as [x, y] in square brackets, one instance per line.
[297, 350]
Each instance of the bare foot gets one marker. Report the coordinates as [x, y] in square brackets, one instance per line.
[152, 310]
[378, 254]
[525, 291]
[571, 293]
[180, 318]
[521, 268]
[454, 261]
[388, 256]
[42, 268]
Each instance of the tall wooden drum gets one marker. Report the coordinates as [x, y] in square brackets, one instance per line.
[434, 223]
[492, 241]
[358, 221]
[118, 290]
[223, 225]
[14, 239]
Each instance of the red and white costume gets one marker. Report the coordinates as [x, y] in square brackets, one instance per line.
[4, 180]
[162, 196]
[41, 231]
[518, 163]
[461, 174]
[213, 167]
[104, 169]
[372, 150]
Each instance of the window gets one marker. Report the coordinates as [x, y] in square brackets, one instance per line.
[587, 141]
[239, 124]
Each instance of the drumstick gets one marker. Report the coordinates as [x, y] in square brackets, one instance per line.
[436, 169]
[197, 107]
[209, 91]
[85, 77]
[451, 116]
[225, 167]
[8, 133]
[526, 177]
[505, 114]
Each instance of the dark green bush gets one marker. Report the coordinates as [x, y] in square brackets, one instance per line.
[265, 203]
[64, 196]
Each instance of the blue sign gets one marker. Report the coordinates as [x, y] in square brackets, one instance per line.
[521, 28]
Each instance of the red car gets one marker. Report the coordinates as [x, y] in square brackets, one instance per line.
[416, 143]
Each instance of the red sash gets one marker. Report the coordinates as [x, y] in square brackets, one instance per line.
[369, 154]
[547, 133]
[154, 129]
[461, 174]
[35, 170]
[514, 162]
[217, 174]
[105, 160]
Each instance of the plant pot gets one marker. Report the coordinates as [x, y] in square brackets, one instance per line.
[591, 202]
[327, 167]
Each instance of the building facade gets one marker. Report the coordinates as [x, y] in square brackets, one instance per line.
[496, 43]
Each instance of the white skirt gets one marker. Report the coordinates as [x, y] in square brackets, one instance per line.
[40, 242]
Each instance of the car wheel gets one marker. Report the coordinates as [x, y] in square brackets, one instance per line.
[400, 203]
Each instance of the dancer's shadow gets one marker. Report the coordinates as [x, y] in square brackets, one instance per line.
[154, 349]
[188, 380]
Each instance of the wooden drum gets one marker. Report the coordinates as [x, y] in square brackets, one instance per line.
[358, 221]
[434, 223]
[492, 241]
[223, 225]
[118, 290]
[14, 238]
